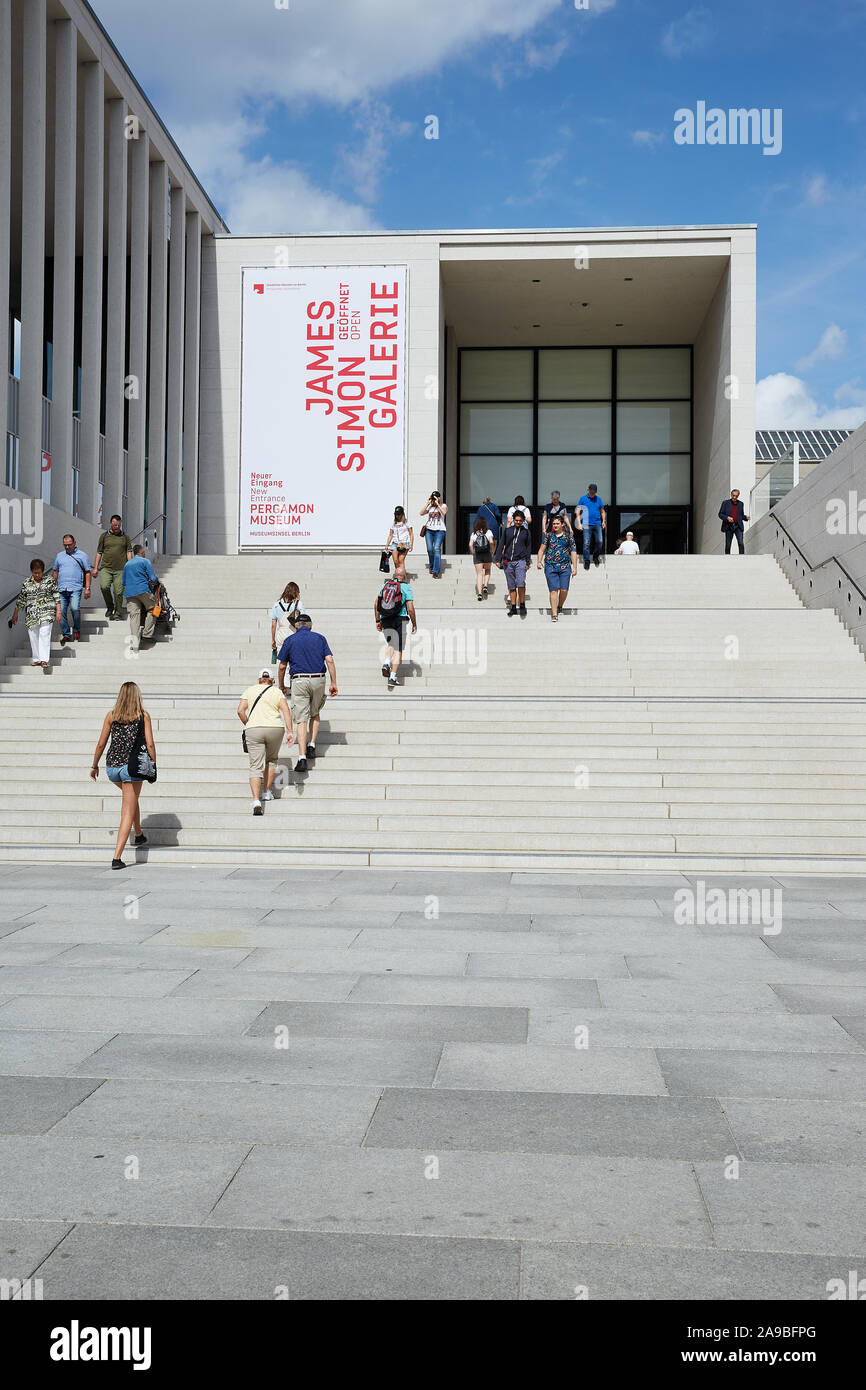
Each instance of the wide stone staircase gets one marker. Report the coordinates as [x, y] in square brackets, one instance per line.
[685, 712]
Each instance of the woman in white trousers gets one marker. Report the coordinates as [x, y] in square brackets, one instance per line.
[40, 603]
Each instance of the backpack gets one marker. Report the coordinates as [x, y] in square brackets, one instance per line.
[390, 599]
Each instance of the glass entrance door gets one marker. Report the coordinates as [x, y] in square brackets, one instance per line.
[657, 530]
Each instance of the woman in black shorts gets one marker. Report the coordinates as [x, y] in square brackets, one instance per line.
[481, 550]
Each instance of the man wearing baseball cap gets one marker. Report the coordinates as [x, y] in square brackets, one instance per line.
[264, 712]
[590, 518]
[629, 546]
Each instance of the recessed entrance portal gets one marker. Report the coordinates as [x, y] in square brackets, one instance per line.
[536, 419]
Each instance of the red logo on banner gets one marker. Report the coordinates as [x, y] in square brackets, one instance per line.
[258, 289]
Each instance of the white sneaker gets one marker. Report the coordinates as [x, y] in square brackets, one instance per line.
[267, 796]
[258, 808]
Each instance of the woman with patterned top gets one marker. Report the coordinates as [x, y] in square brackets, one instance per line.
[558, 553]
[129, 729]
[40, 602]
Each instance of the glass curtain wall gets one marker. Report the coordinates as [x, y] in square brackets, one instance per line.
[535, 419]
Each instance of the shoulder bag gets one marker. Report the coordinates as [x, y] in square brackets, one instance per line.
[141, 764]
[252, 707]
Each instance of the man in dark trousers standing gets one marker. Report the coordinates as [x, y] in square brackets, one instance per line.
[733, 514]
[515, 553]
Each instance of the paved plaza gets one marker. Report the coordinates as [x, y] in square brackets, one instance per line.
[261, 1083]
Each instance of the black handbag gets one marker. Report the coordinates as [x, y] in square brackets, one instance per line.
[385, 562]
[141, 765]
[244, 734]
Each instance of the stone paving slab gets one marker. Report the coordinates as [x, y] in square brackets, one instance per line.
[407, 989]
[180, 1017]
[37, 1053]
[432, 939]
[702, 996]
[836, 1076]
[99, 981]
[213, 983]
[831, 999]
[822, 950]
[149, 957]
[83, 1179]
[492, 1067]
[550, 1122]
[14, 952]
[804, 1208]
[25, 1244]
[319, 1061]
[262, 1112]
[175, 1262]
[489, 1196]
[625, 1028]
[370, 914]
[460, 921]
[450, 906]
[357, 1020]
[855, 1027]
[773, 970]
[325, 961]
[287, 938]
[609, 1272]
[32, 1104]
[68, 931]
[566, 966]
[802, 1131]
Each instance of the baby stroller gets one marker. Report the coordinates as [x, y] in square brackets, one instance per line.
[164, 611]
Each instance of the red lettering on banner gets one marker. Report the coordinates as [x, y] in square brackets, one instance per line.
[344, 467]
[319, 359]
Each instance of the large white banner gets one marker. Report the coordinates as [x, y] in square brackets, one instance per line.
[323, 414]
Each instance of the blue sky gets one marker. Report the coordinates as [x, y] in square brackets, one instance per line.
[312, 118]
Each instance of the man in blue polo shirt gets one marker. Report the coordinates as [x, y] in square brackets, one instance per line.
[590, 518]
[310, 661]
[71, 571]
[139, 585]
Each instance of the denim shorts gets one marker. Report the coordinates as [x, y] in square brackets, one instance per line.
[557, 579]
[120, 774]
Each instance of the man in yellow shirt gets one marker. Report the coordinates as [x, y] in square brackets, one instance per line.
[264, 712]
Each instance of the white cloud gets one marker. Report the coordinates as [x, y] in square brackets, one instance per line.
[851, 391]
[216, 69]
[650, 138]
[269, 198]
[784, 402]
[216, 54]
[831, 345]
[688, 34]
[817, 191]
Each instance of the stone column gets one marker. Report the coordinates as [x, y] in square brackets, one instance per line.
[5, 198]
[32, 247]
[139, 212]
[158, 309]
[192, 354]
[115, 340]
[174, 413]
[91, 289]
[63, 373]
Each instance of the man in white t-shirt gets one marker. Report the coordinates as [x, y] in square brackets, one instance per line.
[629, 546]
